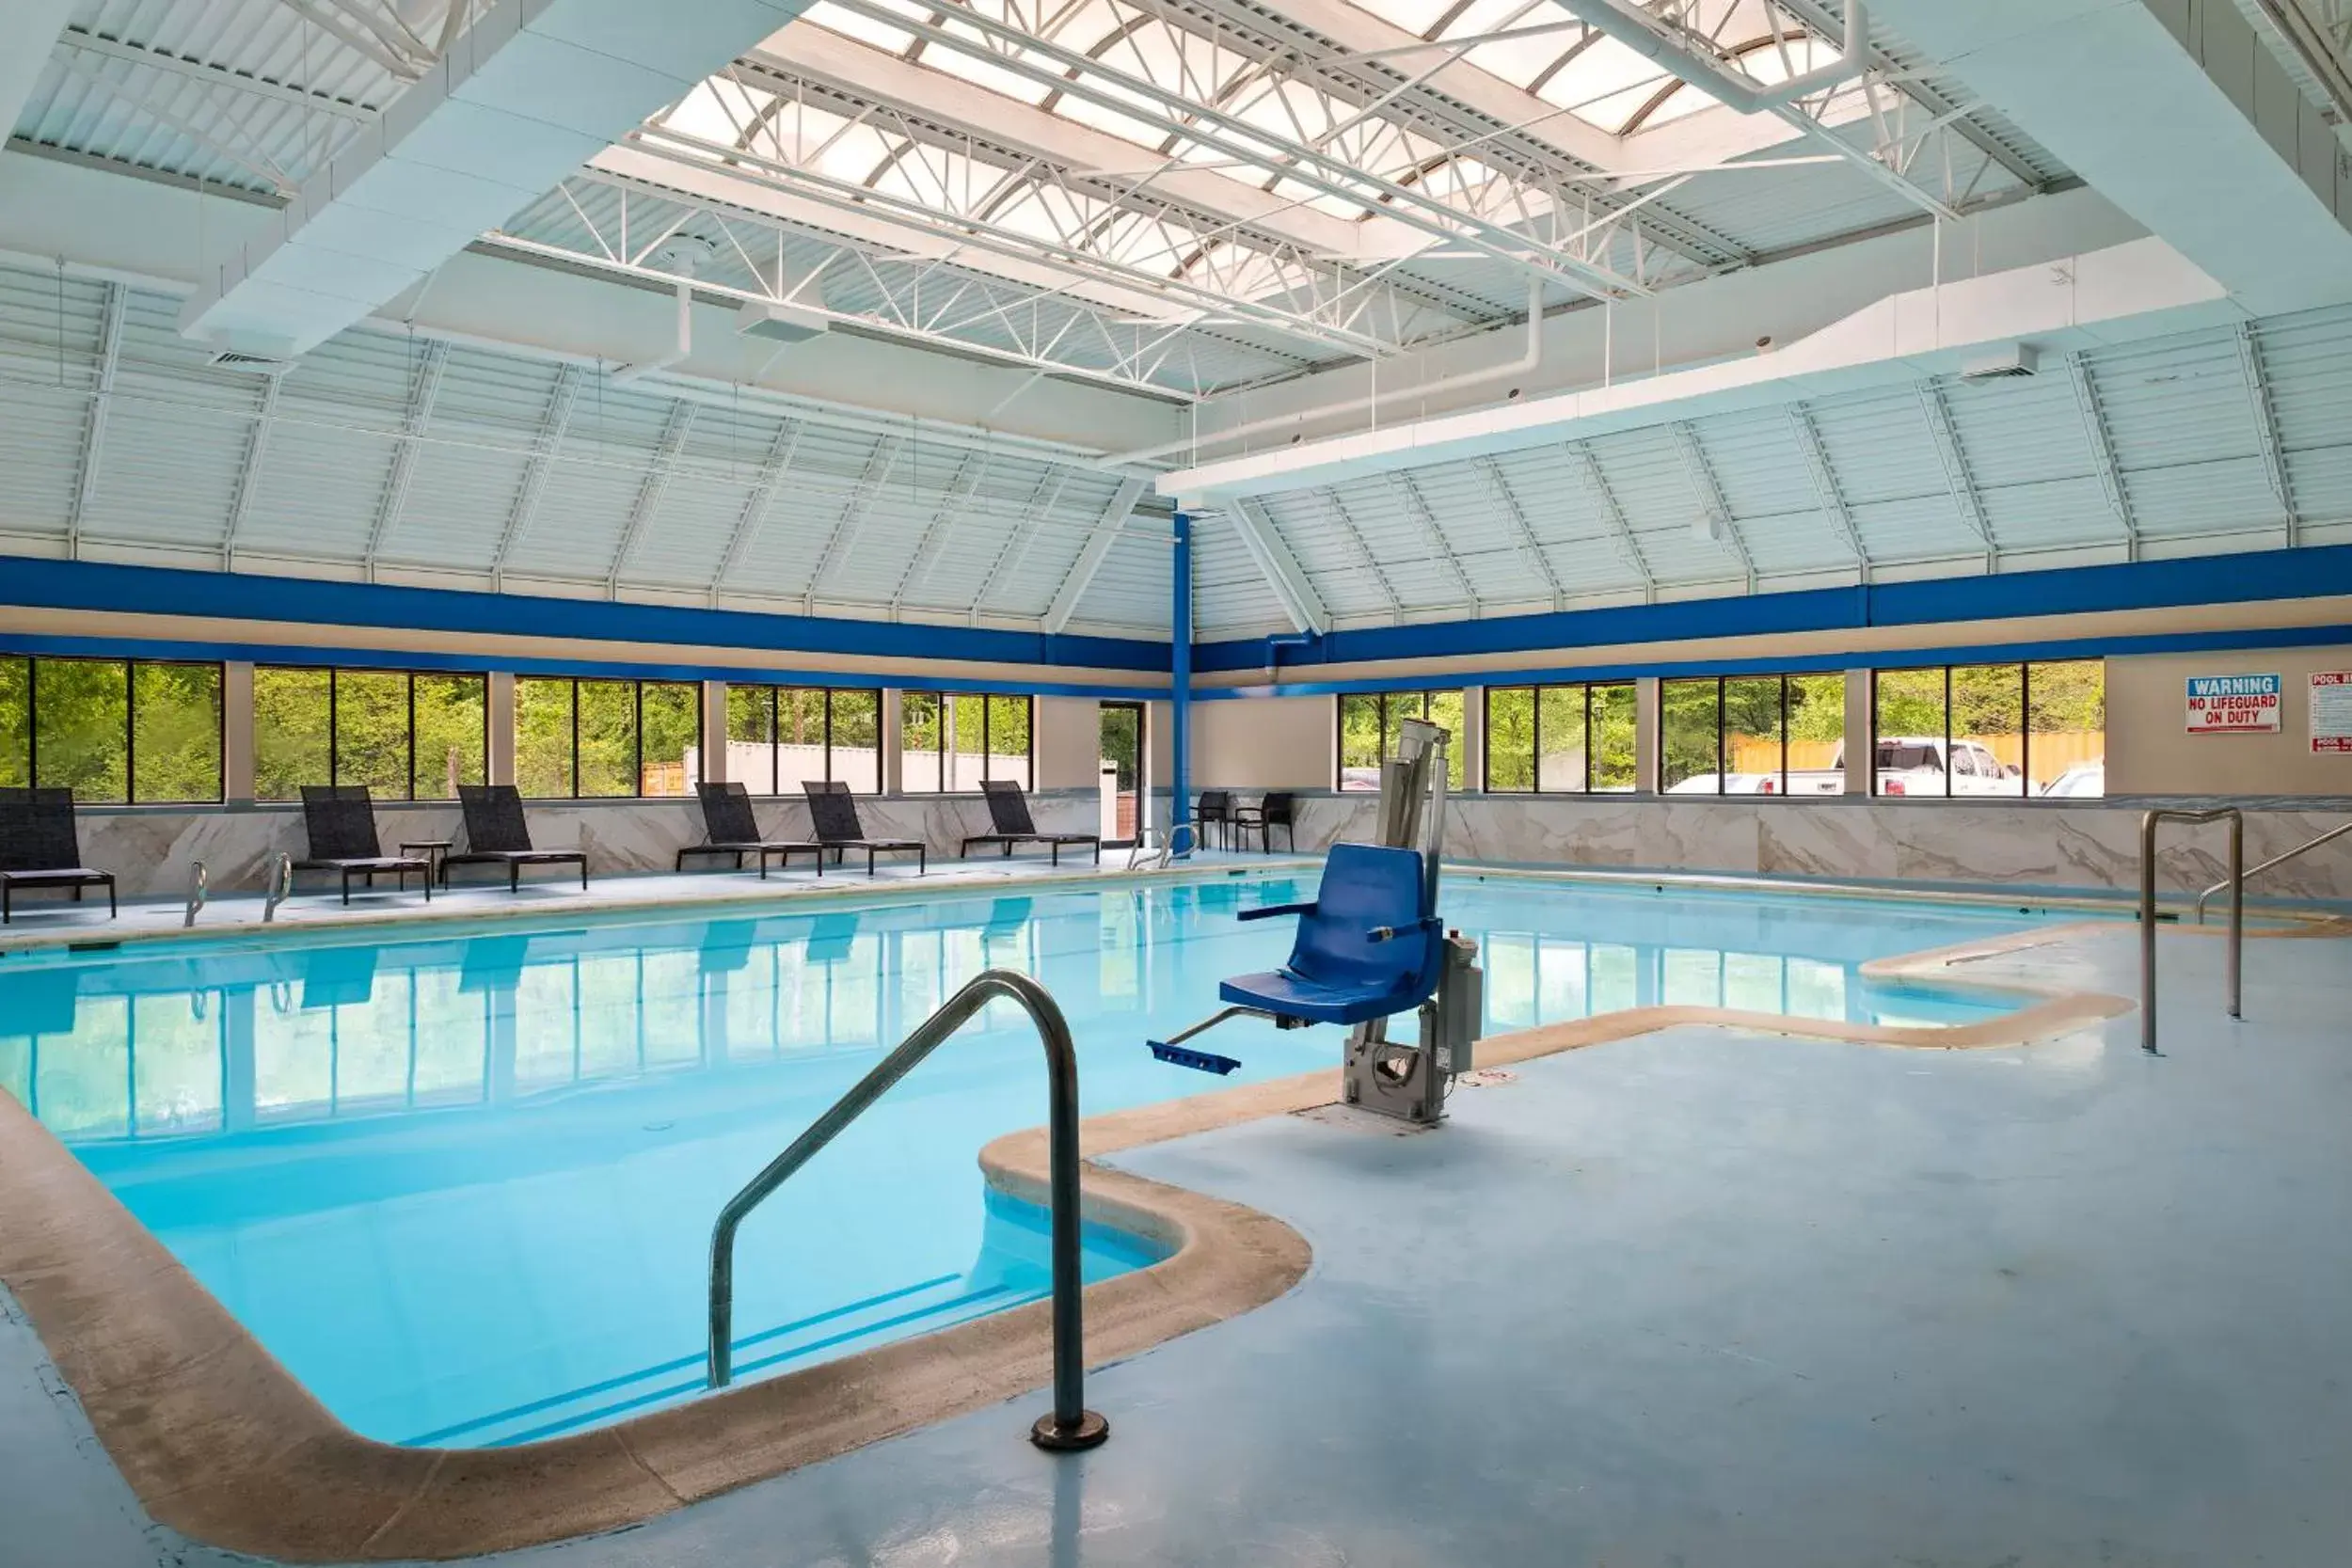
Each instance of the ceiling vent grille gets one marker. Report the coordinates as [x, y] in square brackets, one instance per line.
[2010, 363]
[251, 364]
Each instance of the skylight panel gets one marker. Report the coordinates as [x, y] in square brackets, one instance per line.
[852, 24]
[1415, 16]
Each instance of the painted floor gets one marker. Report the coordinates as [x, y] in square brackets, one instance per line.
[1695, 1298]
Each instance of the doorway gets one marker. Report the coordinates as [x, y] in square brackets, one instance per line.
[1123, 781]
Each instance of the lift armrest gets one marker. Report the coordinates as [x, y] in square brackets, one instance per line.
[1269, 911]
[1431, 925]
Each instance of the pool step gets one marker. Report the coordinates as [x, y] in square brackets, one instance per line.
[919, 1309]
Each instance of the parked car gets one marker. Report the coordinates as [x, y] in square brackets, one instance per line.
[2083, 780]
[1917, 764]
[1732, 783]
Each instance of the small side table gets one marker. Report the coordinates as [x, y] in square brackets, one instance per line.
[436, 855]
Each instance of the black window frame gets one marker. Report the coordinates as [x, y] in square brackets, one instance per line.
[2025, 669]
[130, 668]
[1723, 738]
[987, 753]
[334, 674]
[1535, 735]
[775, 731]
[637, 739]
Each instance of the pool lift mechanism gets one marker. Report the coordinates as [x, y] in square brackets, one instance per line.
[1369, 947]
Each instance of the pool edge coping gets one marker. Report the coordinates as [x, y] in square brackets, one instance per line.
[221, 1444]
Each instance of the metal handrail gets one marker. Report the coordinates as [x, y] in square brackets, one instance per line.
[280, 886]
[2236, 884]
[198, 889]
[1070, 1425]
[2254, 871]
[1166, 851]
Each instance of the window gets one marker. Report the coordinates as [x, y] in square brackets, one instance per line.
[407, 735]
[1750, 735]
[1560, 739]
[2013, 730]
[112, 731]
[955, 742]
[595, 738]
[780, 735]
[1372, 725]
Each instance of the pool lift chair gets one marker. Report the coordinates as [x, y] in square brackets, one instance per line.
[1370, 946]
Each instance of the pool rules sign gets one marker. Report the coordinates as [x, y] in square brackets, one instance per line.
[2331, 711]
[2234, 704]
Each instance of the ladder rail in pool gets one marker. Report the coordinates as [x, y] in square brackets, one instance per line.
[1070, 1425]
[2253, 871]
[2235, 882]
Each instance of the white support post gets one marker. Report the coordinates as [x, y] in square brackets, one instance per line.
[501, 757]
[1472, 740]
[894, 761]
[714, 746]
[1645, 730]
[236, 733]
[1861, 745]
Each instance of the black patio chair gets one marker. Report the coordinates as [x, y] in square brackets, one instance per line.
[340, 821]
[1008, 813]
[41, 847]
[1215, 810]
[496, 834]
[833, 812]
[734, 831]
[1278, 809]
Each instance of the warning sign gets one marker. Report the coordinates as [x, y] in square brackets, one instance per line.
[2233, 704]
[2331, 711]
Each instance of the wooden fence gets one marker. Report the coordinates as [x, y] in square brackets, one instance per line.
[2053, 753]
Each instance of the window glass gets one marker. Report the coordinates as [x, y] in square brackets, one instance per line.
[1612, 738]
[1909, 716]
[920, 752]
[967, 761]
[1560, 738]
[16, 736]
[80, 709]
[1008, 740]
[1817, 731]
[543, 736]
[175, 732]
[1689, 736]
[1359, 741]
[1755, 742]
[1511, 740]
[1445, 711]
[855, 740]
[2066, 739]
[608, 761]
[293, 743]
[372, 732]
[751, 737]
[673, 718]
[1988, 735]
[800, 737]
[453, 733]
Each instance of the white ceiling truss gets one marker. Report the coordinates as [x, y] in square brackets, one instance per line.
[1179, 197]
[2174, 457]
[408, 460]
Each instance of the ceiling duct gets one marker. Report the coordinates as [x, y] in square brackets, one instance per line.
[251, 364]
[2014, 360]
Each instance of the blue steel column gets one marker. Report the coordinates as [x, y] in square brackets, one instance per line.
[1179, 688]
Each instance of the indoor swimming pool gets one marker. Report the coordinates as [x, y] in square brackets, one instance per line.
[460, 1182]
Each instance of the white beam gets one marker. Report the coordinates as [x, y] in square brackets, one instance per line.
[2101, 446]
[1008, 563]
[94, 432]
[249, 471]
[559, 416]
[754, 513]
[883, 458]
[28, 32]
[530, 91]
[1370, 563]
[1090, 557]
[649, 494]
[1825, 490]
[970, 475]
[427, 387]
[1291, 590]
[212, 75]
[1709, 494]
[1419, 506]
[1966, 498]
[1613, 517]
[1530, 547]
[2249, 359]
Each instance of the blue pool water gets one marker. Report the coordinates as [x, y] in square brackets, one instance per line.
[461, 1183]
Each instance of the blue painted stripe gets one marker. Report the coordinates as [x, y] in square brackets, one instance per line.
[100, 586]
[1891, 659]
[2251, 577]
[911, 676]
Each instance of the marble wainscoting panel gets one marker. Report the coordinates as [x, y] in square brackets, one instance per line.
[1831, 839]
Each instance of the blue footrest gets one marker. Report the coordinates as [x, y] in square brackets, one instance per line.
[1183, 1055]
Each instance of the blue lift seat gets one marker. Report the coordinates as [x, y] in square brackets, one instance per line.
[1368, 946]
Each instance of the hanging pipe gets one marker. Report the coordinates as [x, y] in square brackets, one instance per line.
[1530, 357]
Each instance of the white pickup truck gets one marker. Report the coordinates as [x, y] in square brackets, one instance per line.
[1907, 764]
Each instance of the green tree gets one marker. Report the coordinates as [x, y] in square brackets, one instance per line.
[16, 732]
[543, 736]
[81, 715]
[453, 733]
[175, 725]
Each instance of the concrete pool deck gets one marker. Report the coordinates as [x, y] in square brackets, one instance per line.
[1694, 1293]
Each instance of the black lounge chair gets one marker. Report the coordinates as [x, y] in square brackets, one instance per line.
[1008, 812]
[496, 835]
[832, 811]
[41, 848]
[341, 822]
[734, 831]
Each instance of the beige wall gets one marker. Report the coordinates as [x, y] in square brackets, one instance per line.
[1264, 743]
[1069, 742]
[2150, 752]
